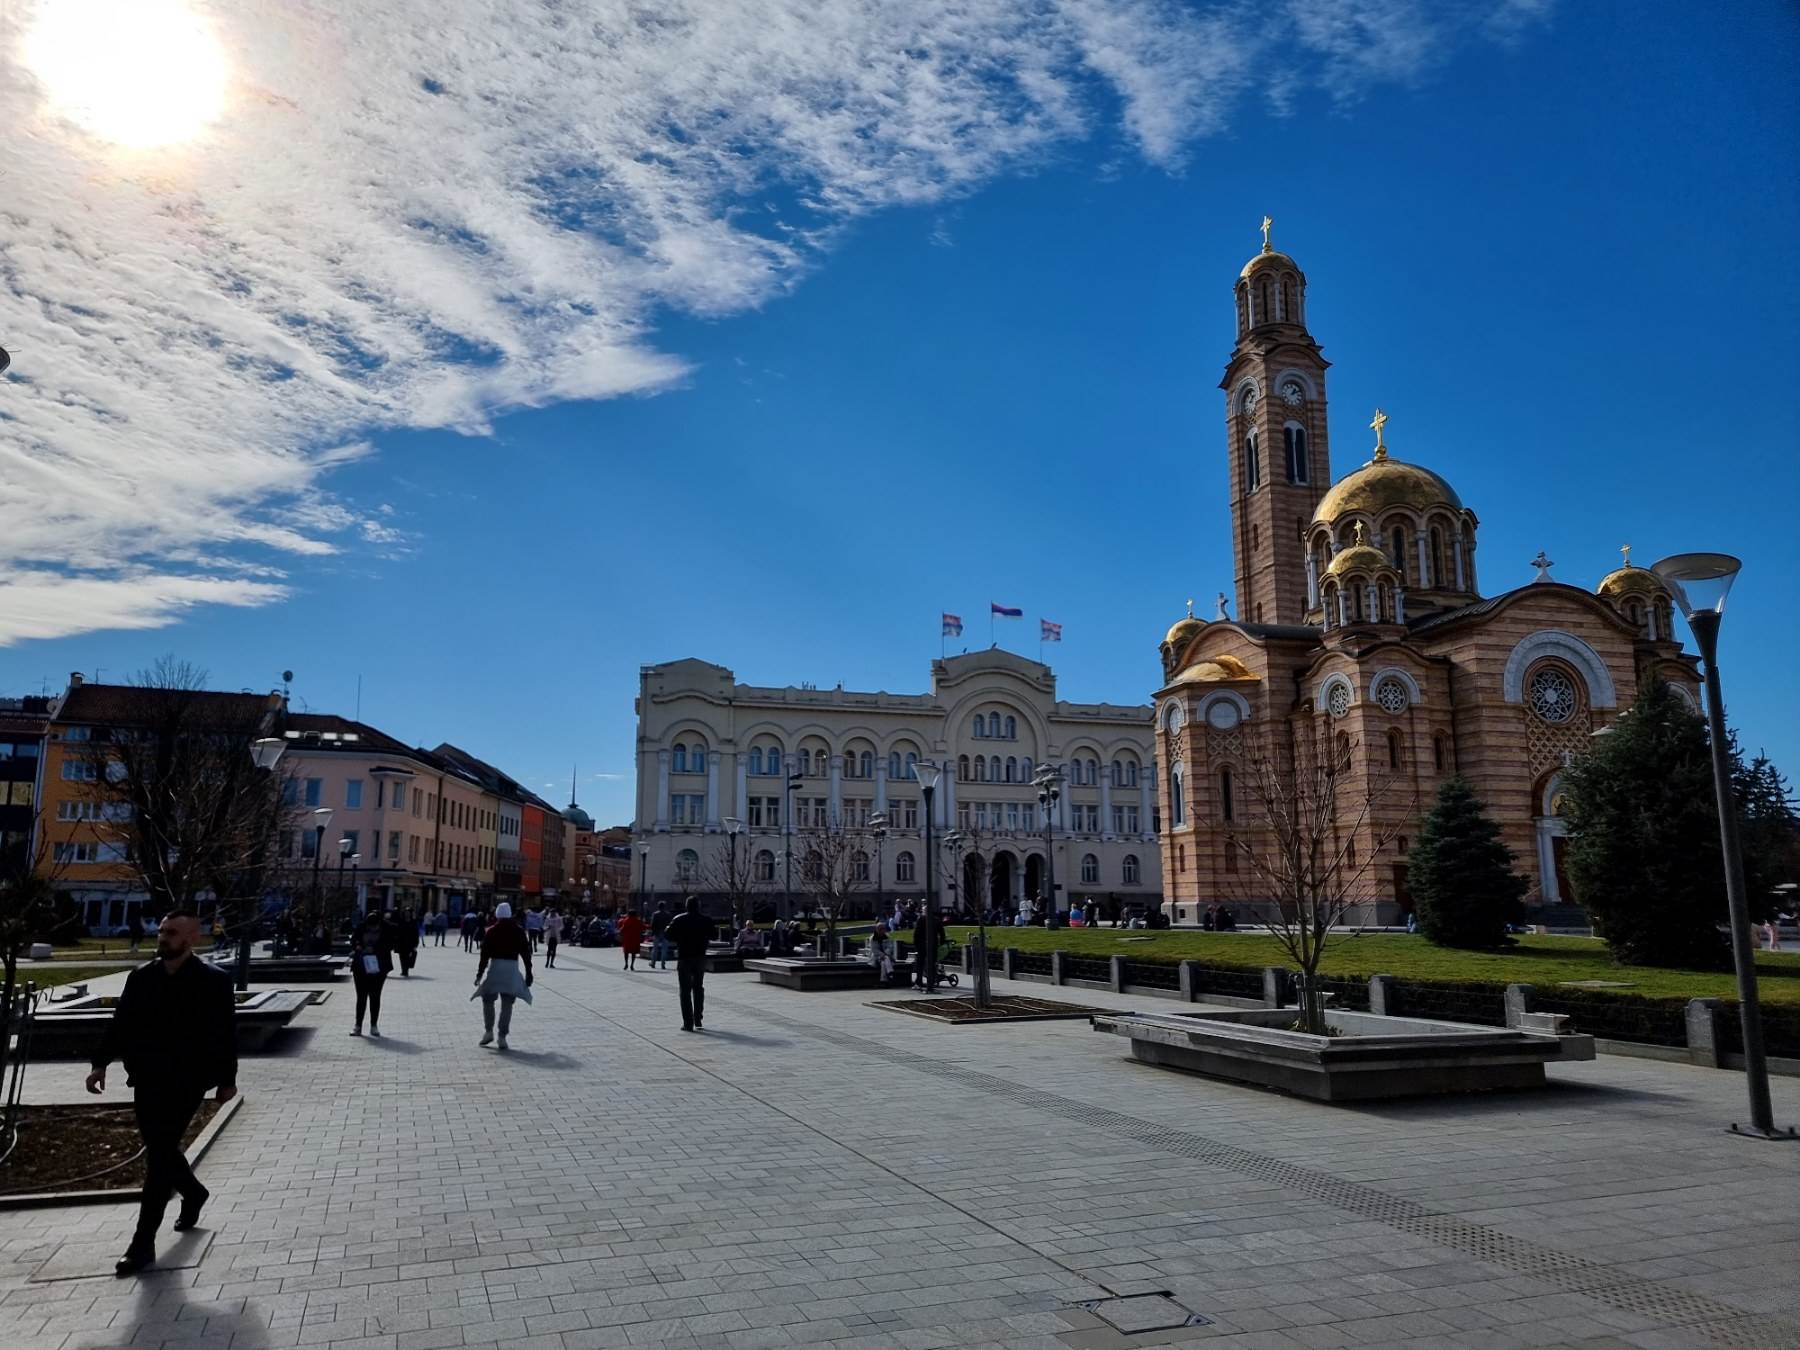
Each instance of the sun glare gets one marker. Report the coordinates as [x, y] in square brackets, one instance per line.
[138, 73]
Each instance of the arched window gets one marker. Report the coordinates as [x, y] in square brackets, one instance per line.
[894, 764]
[806, 764]
[859, 865]
[1177, 803]
[1131, 869]
[765, 865]
[980, 769]
[993, 768]
[1012, 769]
[678, 760]
[903, 867]
[1294, 438]
[1440, 752]
[1252, 461]
[1396, 751]
[1288, 311]
[1398, 551]
[1025, 769]
[980, 727]
[1552, 695]
[1226, 805]
[962, 767]
[1437, 558]
[1090, 869]
[912, 765]
[756, 759]
[687, 866]
[1267, 310]
[866, 762]
[1012, 728]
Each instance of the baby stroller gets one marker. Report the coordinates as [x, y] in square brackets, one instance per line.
[946, 972]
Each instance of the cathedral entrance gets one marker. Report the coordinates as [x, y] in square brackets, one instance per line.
[1000, 888]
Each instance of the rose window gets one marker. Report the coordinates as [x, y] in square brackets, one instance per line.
[1337, 700]
[1391, 695]
[1551, 696]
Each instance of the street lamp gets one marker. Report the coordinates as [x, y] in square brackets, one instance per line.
[321, 823]
[928, 773]
[978, 955]
[643, 874]
[878, 828]
[787, 825]
[345, 848]
[733, 828]
[1049, 783]
[1701, 581]
[265, 754]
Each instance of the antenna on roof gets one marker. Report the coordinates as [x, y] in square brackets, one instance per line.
[287, 679]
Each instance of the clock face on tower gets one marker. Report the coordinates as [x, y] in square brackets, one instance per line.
[1293, 393]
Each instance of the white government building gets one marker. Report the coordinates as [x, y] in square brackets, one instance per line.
[711, 750]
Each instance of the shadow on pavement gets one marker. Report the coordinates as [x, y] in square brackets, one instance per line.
[540, 1059]
[387, 1042]
[714, 1033]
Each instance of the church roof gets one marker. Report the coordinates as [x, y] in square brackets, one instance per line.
[1382, 483]
[1359, 557]
[1271, 257]
[1630, 578]
[1215, 670]
[1449, 616]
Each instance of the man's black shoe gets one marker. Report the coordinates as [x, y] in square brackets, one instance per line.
[686, 1027]
[190, 1212]
[134, 1260]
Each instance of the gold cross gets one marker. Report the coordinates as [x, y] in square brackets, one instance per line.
[1380, 426]
[1267, 225]
[1190, 607]
[1626, 550]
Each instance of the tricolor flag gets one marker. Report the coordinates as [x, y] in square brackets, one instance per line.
[952, 625]
[1002, 612]
[1049, 632]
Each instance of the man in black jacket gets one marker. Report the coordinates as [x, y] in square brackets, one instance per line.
[690, 931]
[928, 933]
[175, 1029]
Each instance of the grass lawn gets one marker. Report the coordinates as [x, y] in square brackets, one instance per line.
[111, 948]
[45, 976]
[1541, 960]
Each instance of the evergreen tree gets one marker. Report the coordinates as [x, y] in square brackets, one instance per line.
[1769, 828]
[1644, 855]
[1461, 875]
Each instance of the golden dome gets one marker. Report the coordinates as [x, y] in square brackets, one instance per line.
[1382, 483]
[1271, 256]
[1181, 630]
[1629, 580]
[1359, 557]
[1214, 670]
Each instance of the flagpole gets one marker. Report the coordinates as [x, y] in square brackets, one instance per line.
[992, 641]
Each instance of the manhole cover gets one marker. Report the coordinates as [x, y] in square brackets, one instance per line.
[1144, 1312]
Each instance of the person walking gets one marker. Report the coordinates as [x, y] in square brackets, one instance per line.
[175, 1030]
[371, 961]
[534, 927]
[471, 929]
[135, 929]
[690, 931]
[659, 942]
[631, 937]
[497, 977]
[405, 934]
[928, 932]
[553, 931]
[440, 924]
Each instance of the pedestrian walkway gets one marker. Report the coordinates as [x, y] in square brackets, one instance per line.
[812, 1171]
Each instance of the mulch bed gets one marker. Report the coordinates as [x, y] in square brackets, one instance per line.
[82, 1148]
[1001, 1008]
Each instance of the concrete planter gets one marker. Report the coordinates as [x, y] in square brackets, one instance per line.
[807, 975]
[1375, 1057]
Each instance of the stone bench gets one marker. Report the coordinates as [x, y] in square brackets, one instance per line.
[75, 1028]
[806, 975]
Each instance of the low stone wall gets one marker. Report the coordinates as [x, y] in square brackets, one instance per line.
[1702, 1031]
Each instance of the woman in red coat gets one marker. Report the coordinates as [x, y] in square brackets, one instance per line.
[631, 936]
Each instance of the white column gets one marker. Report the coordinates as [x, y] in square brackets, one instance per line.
[1456, 548]
[1343, 610]
[1106, 819]
[1312, 582]
[740, 806]
[837, 788]
[1372, 599]
[1399, 605]
[881, 788]
[1424, 558]
[1650, 622]
[712, 791]
[1547, 863]
[662, 789]
[949, 787]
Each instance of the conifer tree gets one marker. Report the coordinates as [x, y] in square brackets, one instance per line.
[1461, 876]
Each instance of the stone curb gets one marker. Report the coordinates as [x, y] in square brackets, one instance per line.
[196, 1151]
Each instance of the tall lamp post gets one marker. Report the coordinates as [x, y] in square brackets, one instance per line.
[1701, 581]
[321, 823]
[787, 825]
[928, 774]
[733, 828]
[265, 753]
[1049, 783]
[345, 854]
[878, 828]
[643, 874]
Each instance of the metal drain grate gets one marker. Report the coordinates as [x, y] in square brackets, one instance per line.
[1132, 1313]
[1719, 1322]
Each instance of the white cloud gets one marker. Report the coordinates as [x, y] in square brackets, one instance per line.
[414, 215]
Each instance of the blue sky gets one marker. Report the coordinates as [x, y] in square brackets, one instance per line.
[1557, 261]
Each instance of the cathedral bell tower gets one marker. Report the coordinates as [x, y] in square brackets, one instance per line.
[1275, 437]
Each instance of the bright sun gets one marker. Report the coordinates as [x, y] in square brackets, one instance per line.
[138, 73]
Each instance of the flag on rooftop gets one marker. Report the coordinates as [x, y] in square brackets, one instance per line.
[1049, 632]
[952, 625]
[1004, 612]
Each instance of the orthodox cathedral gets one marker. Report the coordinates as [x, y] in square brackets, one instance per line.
[1360, 619]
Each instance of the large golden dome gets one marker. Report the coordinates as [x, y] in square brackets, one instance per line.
[1384, 483]
[1272, 257]
[1215, 670]
[1629, 580]
[1181, 630]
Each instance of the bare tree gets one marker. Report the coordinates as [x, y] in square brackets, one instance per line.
[177, 793]
[730, 869]
[835, 865]
[1299, 845]
[29, 871]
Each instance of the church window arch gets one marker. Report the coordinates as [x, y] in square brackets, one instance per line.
[1266, 309]
[1293, 437]
[806, 764]
[1396, 747]
[1227, 806]
[1252, 461]
[1259, 616]
[993, 768]
[756, 759]
[1441, 757]
[1012, 769]
[1553, 693]
[1012, 728]
[962, 767]
[1436, 558]
[1397, 548]
[1177, 801]
[1287, 298]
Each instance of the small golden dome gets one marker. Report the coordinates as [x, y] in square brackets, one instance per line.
[1630, 580]
[1359, 558]
[1273, 258]
[1214, 670]
[1181, 630]
[1383, 483]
